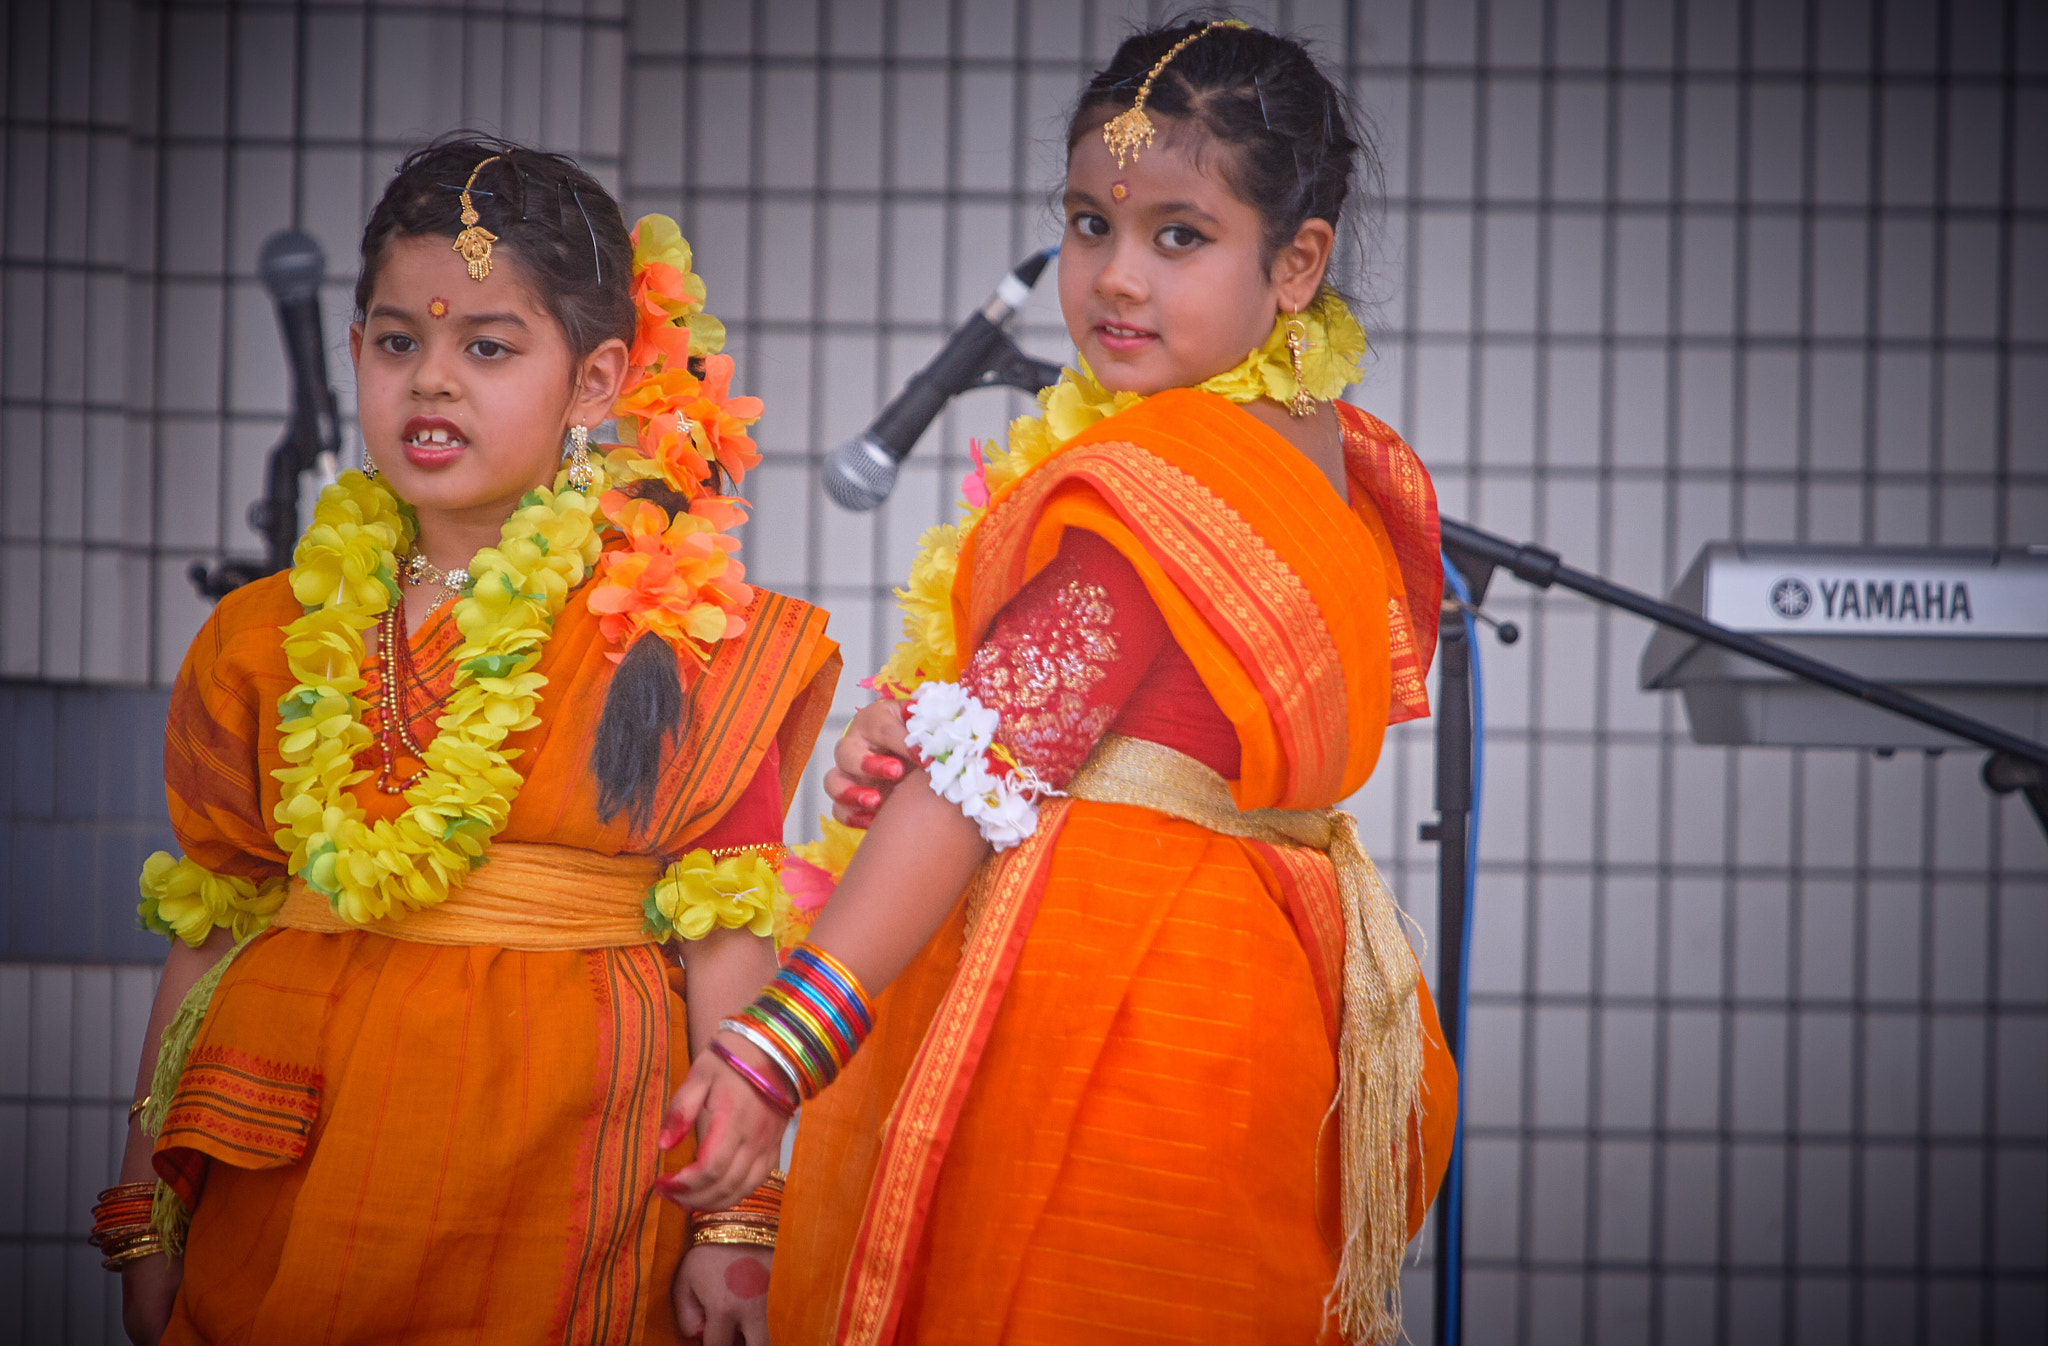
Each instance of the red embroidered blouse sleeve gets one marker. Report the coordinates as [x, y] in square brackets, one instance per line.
[1065, 654]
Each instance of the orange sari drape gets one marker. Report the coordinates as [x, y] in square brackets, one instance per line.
[382, 1139]
[1094, 1107]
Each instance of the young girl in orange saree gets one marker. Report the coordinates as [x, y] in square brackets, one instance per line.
[1167, 1069]
[510, 722]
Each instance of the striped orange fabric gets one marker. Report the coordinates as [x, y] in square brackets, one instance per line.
[1393, 496]
[1094, 1106]
[388, 1141]
[382, 1139]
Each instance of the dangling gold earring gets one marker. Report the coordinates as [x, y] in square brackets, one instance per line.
[580, 475]
[369, 464]
[1297, 346]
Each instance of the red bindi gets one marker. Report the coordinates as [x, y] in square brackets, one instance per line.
[747, 1278]
[437, 307]
[1120, 189]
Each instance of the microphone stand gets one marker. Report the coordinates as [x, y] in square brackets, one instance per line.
[311, 439]
[2015, 764]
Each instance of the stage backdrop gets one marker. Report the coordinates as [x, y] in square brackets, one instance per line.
[1758, 1035]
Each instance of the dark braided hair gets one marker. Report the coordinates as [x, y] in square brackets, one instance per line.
[1298, 146]
[564, 236]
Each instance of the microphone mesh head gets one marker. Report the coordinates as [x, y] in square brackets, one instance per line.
[859, 475]
[292, 265]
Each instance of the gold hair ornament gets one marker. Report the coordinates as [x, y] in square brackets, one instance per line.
[1131, 130]
[474, 242]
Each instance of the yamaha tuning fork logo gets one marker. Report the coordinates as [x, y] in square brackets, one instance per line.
[1790, 598]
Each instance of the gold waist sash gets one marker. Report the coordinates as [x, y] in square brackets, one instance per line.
[1379, 1045]
[532, 898]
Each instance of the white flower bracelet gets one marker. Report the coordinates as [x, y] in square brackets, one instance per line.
[955, 734]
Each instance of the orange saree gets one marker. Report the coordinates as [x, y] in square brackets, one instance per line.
[1098, 1105]
[381, 1138]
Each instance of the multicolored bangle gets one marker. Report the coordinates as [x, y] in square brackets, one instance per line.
[767, 1048]
[811, 1018]
[772, 1096]
[121, 1226]
[754, 1221]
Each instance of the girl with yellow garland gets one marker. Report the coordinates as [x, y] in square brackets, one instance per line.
[1167, 1070]
[446, 790]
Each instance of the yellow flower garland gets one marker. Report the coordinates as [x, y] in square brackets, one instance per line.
[698, 894]
[343, 572]
[187, 900]
[929, 651]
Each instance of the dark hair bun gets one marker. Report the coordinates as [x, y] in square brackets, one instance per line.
[560, 227]
[1298, 141]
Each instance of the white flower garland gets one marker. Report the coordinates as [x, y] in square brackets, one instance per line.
[955, 734]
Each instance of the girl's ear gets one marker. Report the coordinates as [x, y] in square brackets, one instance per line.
[598, 380]
[1298, 267]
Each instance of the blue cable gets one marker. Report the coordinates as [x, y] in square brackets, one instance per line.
[1454, 1177]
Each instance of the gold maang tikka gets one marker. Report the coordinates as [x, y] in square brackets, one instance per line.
[1131, 130]
[474, 242]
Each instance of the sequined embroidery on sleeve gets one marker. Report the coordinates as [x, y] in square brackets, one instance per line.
[1038, 668]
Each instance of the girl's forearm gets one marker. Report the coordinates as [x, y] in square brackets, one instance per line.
[903, 881]
[723, 971]
[183, 967]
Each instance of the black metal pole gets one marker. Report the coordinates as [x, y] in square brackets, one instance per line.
[1450, 832]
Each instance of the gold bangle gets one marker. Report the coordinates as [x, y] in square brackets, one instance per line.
[135, 1108]
[732, 1234]
[134, 1252]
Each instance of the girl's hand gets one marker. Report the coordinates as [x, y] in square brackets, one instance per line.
[721, 1294]
[870, 759]
[148, 1287]
[739, 1137]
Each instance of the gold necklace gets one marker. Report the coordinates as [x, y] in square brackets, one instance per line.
[415, 568]
[396, 730]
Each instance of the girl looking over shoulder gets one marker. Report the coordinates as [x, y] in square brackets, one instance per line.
[1110, 1028]
[460, 797]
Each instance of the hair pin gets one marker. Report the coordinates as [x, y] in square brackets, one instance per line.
[596, 257]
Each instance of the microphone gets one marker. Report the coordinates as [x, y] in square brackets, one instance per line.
[860, 473]
[292, 267]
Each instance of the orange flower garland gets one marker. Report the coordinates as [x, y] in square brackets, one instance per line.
[675, 576]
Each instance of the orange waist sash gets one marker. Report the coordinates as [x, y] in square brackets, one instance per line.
[530, 897]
